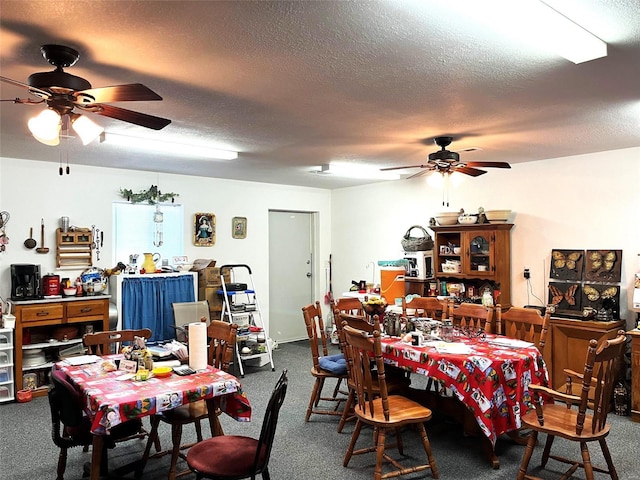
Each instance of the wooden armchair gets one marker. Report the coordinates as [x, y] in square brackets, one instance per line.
[105, 343]
[377, 408]
[349, 305]
[576, 425]
[426, 307]
[222, 342]
[312, 315]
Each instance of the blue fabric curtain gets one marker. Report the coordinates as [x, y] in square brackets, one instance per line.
[146, 303]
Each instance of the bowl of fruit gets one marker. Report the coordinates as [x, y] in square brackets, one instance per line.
[374, 306]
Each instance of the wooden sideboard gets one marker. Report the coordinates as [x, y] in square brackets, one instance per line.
[635, 374]
[567, 343]
[39, 322]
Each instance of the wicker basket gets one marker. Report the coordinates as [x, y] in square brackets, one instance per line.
[417, 244]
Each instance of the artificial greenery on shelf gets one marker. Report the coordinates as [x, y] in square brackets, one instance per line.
[151, 196]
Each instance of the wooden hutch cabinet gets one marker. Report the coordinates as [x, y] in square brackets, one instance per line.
[484, 253]
[635, 374]
[41, 326]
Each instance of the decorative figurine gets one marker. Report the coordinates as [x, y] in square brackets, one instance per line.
[432, 222]
[482, 218]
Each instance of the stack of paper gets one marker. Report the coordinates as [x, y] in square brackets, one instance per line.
[509, 342]
[453, 348]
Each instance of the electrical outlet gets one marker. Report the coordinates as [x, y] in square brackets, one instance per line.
[527, 273]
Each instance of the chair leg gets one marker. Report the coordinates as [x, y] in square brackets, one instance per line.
[547, 450]
[153, 438]
[198, 427]
[607, 457]
[348, 410]
[380, 439]
[62, 463]
[586, 460]
[316, 400]
[265, 474]
[399, 441]
[336, 390]
[352, 443]
[176, 438]
[427, 449]
[533, 438]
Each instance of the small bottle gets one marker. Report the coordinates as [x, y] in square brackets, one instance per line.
[78, 287]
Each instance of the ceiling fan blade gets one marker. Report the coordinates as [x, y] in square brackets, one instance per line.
[406, 166]
[488, 164]
[142, 119]
[118, 93]
[474, 172]
[34, 90]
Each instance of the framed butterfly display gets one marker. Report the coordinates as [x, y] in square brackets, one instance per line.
[566, 264]
[603, 265]
[596, 296]
[565, 296]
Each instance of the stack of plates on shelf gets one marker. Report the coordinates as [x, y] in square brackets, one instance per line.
[33, 357]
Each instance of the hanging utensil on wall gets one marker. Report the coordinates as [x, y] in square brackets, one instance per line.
[30, 242]
[42, 248]
[95, 233]
[4, 239]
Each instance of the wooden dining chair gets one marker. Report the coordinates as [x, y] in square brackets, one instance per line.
[381, 410]
[527, 324]
[312, 315]
[349, 305]
[425, 307]
[475, 317]
[105, 343]
[396, 382]
[222, 341]
[234, 457]
[577, 424]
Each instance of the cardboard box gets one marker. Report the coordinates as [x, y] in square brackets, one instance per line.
[211, 295]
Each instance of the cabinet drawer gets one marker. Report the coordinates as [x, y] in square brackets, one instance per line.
[87, 308]
[37, 313]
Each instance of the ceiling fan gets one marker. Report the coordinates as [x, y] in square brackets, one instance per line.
[447, 161]
[63, 92]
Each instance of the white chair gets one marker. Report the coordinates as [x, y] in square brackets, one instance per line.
[189, 312]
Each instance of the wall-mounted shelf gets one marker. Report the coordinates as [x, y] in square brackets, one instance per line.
[74, 249]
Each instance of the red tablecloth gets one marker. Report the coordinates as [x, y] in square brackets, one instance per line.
[111, 401]
[492, 380]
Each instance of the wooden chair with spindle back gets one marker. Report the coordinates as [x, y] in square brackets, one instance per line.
[472, 316]
[425, 307]
[527, 324]
[377, 408]
[575, 424]
[105, 343]
[348, 305]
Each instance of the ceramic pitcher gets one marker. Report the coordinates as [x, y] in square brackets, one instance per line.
[150, 262]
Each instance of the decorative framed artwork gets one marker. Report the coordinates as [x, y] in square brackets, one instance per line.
[603, 266]
[239, 227]
[204, 229]
[566, 264]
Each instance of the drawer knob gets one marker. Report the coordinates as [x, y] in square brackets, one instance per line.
[42, 313]
[86, 309]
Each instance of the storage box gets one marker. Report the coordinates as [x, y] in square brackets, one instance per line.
[211, 295]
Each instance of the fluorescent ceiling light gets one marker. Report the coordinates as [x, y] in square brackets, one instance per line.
[356, 171]
[182, 149]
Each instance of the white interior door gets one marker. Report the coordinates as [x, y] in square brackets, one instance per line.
[290, 273]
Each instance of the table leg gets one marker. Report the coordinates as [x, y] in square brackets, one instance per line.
[214, 421]
[96, 456]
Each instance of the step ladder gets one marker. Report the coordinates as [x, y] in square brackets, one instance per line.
[240, 306]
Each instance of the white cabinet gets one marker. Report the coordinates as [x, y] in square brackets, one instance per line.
[7, 384]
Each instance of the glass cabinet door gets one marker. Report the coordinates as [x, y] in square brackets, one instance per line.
[480, 250]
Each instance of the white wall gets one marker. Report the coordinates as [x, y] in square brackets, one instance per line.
[32, 190]
[582, 202]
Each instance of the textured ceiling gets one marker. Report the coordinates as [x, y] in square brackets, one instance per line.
[292, 85]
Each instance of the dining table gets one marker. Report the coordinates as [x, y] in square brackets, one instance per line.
[112, 396]
[484, 376]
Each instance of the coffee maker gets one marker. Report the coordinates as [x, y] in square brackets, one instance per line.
[25, 281]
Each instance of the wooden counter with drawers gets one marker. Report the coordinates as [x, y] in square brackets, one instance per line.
[49, 327]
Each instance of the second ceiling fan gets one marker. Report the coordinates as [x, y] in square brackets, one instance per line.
[447, 161]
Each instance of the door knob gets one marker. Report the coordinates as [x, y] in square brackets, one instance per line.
[308, 274]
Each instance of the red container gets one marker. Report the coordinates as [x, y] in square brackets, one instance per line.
[51, 285]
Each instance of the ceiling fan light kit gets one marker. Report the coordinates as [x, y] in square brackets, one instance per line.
[62, 92]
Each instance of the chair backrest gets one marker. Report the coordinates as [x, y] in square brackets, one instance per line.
[473, 316]
[269, 423]
[526, 324]
[65, 401]
[222, 341]
[425, 307]
[362, 348]
[349, 305]
[312, 315]
[104, 343]
[185, 313]
[600, 375]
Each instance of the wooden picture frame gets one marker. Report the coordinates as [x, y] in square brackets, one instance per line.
[204, 229]
[239, 227]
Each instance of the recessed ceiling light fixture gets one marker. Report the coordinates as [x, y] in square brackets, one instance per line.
[182, 149]
[355, 171]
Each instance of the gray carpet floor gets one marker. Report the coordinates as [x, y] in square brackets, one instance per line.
[302, 450]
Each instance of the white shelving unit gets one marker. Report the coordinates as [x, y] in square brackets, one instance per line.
[7, 384]
[241, 306]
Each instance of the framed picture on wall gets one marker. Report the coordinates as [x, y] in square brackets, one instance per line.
[204, 229]
[239, 227]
